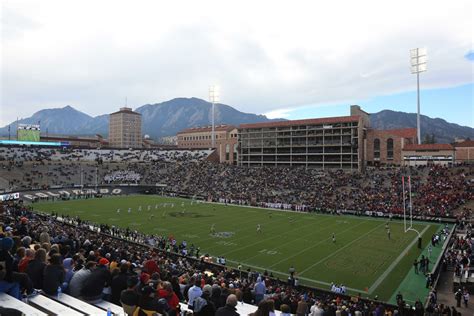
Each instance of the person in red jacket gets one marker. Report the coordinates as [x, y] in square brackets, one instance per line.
[167, 293]
[150, 266]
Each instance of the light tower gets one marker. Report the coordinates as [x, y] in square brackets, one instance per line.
[418, 64]
[213, 98]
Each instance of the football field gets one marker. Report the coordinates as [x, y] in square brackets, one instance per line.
[362, 258]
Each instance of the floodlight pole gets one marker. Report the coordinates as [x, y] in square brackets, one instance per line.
[418, 64]
[418, 133]
[213, 136]
[213, 98]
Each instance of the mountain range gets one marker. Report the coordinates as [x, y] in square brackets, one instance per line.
[168, 118]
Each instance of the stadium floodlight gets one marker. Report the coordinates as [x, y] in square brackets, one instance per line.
[213, 98]
[418, 58]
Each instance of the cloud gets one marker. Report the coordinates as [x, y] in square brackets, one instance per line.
[267, 56]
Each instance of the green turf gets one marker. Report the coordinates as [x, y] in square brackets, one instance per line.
[358, 258]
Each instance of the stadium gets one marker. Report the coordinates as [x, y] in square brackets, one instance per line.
[331, 238]
[226, 158]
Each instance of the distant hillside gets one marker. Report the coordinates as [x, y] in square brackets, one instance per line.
[444, 132]
[168, 118]
[158, 120]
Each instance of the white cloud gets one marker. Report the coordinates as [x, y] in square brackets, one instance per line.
[265, 55]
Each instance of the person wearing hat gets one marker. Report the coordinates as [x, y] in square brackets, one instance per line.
[203, 306]
[95, 283]
[22, 229]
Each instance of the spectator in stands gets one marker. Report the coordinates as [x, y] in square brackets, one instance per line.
[302, 309]
[147, 302]
[194, 292]
[29, 256]
[54, 275]
[36, 268]
[229, 308]
[260, 290]
[129, 297]
[79, 278]
[203, 306]
[167, 293]
[68, 265]
[264, 309]
[7, 284]
[119, 283]
[95, 283]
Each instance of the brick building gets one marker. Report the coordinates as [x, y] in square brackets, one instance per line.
[428, 154]
[464, 151]
[335, 142]
[201, 138]
[125, 129]
[384, 147]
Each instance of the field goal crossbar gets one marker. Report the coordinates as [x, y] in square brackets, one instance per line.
[410, 227]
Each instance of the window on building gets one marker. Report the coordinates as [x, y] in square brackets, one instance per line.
[235, 152]
[389, 149]
[376, 148]
[227, 152]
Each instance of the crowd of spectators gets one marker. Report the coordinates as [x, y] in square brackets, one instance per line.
[435, 190]
[47, 253]
[123, 176]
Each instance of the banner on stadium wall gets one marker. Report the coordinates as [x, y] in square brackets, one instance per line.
[9, 196]
[370, 213]
[60, 193]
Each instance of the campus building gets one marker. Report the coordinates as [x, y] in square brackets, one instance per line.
[336, 142]
[464, 151]
[201, 138]
[428, 154]
[125, 129]
[384, 147]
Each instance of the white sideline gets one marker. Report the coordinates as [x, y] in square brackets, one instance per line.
[340, 249]
[395, 263]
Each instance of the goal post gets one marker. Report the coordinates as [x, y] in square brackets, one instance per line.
[410, 207]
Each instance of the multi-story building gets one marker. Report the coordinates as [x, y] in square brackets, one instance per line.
[428, 154]
[336, 142]
[125, 129]
[464, 151]
[201, 138]
[384, 147]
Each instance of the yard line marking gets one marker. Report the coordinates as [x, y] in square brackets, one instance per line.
[299, 277]
[314, 245]
[395, 263]
[292, 240]
[265, 239]
[340, 249]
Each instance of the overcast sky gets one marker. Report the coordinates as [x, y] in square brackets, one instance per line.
[273, 57]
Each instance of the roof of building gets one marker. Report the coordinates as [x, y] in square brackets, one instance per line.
[466, 143]
[326, 120]
[126, 110]
[200, 129]
[401, 132]
[416, 147]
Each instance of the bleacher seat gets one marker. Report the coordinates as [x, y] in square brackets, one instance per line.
[78, 305]
[8, 301]
[52, 307]
[117, 310]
